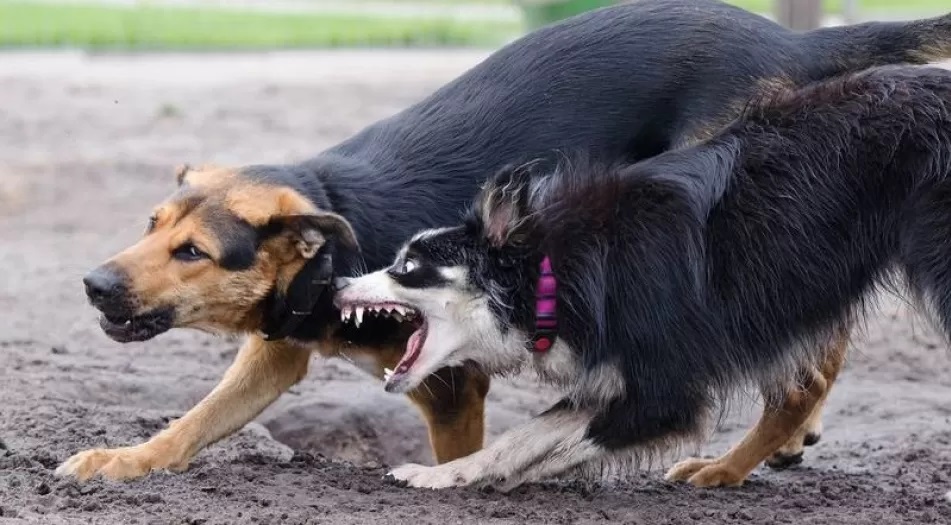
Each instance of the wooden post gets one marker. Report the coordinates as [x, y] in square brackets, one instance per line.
[800, 15]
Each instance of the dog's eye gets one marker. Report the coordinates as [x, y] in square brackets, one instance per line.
[188, 252]
[405, 267]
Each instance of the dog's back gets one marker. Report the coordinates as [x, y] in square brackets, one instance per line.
[732, 253]
[624, 82]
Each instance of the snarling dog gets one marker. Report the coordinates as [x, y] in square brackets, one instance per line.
[250, 250]
[652, 291]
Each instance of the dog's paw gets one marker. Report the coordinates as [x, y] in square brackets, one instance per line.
[419, 476]
[111, 463]
[792, 452]
[784, 459]
[705, 473]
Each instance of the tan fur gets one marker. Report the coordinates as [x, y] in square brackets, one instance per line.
[776, 427]
[207, 297]
[456, 420]
[261, 372]
[205, 175]
[796, 444]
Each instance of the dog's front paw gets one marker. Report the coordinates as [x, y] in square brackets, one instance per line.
[438, 477]
[113, 463]
[706, 473]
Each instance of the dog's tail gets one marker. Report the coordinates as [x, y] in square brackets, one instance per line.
[846, 49]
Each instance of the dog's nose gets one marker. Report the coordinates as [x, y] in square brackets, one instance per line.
[103, 284]
[341, 282]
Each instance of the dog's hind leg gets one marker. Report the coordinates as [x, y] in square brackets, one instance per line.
[261, 372]
[551, 443]
[452, 402]
[810, 432]
[778, 426]
[807, 435]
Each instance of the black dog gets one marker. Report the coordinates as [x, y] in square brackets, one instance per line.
[678, 279]
[629, 82]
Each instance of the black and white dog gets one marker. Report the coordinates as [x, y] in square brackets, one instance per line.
[675, 280]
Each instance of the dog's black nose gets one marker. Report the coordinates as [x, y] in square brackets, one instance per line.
[104, 284]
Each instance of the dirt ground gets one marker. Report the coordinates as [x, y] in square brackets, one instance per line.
[87, 145]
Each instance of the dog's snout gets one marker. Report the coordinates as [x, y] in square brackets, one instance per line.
[104, 284]
[341, 282]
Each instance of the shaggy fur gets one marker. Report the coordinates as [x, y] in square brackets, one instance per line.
[690, 273]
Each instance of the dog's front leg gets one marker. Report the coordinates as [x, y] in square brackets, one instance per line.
[261, 372]
[547, 445]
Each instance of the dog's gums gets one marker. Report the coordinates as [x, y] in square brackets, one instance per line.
[352, 313]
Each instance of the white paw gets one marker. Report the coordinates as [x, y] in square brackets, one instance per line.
[438, 477]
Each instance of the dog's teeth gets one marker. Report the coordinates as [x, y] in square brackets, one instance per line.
[343, 315]
[359, 311]
[398, 316]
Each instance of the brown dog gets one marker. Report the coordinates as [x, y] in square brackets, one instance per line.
[182, 273]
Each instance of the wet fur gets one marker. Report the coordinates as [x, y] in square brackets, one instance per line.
[629, 82]
[702, 270]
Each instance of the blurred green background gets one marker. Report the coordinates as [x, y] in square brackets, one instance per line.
[269, 24]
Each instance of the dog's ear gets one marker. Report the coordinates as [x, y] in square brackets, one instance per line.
[503, 206]
[308, 226]
[310, 231]
[207, 174]
[180, 171]
[285, 213]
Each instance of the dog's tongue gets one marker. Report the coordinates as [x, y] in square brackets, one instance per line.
[413, 347]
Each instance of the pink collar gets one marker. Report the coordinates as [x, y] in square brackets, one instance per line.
[546, 302]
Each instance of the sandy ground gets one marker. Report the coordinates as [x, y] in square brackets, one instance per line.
[87, 145]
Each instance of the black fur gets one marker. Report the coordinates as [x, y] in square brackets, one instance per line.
[712, 266]
[626, 82]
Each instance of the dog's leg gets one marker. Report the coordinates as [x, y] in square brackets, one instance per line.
[809, 433]
[549, 444]
[452, 402]
[261, 372]
[776, 427]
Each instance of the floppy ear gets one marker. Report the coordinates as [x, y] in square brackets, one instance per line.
[503, 206]
[310, 231]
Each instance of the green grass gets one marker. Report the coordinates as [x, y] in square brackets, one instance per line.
[183, 28]
[870, 7]
[150, 27]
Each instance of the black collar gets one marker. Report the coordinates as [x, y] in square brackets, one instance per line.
[284, 312]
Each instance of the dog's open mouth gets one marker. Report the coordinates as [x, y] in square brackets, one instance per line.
[354, 313]
[126, 329]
